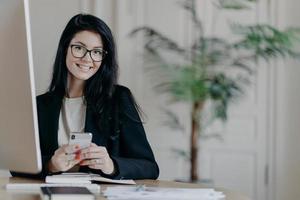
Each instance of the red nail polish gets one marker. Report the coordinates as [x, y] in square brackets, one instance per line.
[77, 157]
[78, 152]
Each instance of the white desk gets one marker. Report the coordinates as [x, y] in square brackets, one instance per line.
[7, 195]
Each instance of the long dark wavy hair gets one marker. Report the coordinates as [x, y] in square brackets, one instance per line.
[100, 87]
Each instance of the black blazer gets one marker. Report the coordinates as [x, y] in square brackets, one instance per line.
[125, 141]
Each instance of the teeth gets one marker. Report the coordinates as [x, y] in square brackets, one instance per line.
[83, 67]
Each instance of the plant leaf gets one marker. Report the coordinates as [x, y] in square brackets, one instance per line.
[173, 121]
[233, 4]
[222, 90]
[156, 40]
[265, 41]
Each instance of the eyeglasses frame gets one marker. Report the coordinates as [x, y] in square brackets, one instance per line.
[87, 51]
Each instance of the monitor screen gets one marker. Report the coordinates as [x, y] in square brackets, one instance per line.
[19, 139]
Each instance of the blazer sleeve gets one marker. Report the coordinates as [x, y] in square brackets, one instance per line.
[136, 160]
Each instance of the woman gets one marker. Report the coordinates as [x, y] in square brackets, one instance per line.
[84, 97]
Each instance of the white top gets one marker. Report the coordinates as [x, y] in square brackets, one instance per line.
[71, 118]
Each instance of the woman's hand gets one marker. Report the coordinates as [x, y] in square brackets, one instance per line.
[64, 158]
[96, 157]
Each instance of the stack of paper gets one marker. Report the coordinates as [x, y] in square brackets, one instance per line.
[83, 178]
[142, 193]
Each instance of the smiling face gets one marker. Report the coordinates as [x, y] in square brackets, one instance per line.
[81, 69]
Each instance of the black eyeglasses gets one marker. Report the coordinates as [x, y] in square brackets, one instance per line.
[79, 51]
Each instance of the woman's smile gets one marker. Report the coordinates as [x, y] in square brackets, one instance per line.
[84, 68]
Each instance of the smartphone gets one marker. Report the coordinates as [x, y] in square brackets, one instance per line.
[82, 139]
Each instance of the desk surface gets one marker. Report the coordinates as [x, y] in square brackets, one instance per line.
[153, 183]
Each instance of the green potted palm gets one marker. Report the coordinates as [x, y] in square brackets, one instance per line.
[201, 73]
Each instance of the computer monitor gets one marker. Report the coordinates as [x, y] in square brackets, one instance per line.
[19, 138]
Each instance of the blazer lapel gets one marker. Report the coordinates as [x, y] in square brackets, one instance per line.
[49, 110]
[91, 127]
[55, 120]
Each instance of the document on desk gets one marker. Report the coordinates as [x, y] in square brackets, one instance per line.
[149, 193]
[84, 178]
